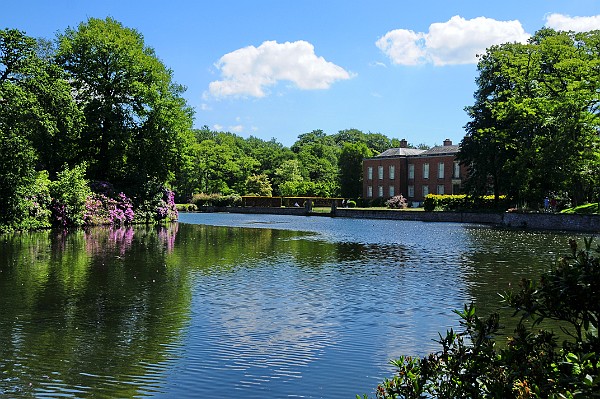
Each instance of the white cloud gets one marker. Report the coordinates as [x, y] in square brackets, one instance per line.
[457, 41]
[217, 127]
[250, 70]
[577, 24]
[236, 128]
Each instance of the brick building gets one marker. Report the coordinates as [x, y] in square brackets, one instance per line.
[413, 173]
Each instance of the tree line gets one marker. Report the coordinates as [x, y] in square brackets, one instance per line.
[92, 125]
[92, 121]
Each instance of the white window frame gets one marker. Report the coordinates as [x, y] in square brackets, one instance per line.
[370, 191]
[392, 191]
[411, 191]
[440, 170]
[380, 172]
[456, 170]
[425, 191]
[392, 172]
[440, 189]
[411, 170]
[425, 171]
[380, 191]
[370, 173]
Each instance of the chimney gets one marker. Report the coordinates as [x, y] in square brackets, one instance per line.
[447, 142]
[403, 143]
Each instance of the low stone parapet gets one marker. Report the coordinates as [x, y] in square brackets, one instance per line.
[533, 221]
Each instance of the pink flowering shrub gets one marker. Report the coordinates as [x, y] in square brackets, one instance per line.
[158, 205]
[103, 207]
[397, 202]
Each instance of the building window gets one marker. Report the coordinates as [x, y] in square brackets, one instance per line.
[392, 172]
[411, 171]
[457, 170]
[425, 191]
[380, 191]
[440, 170]
[370, 191]
[370, 173]
[425, 171]
[456, 189]
[380, 172]
[440, 189]
[392, 191]
[411, 191]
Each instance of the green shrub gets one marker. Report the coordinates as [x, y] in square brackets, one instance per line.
[216, 199]
[186, 207]
[463, 202]
[376, 202]
[201, 199]
[35, 205]
[69, 192]
[534, 362]
[227, 200]
[155, 203]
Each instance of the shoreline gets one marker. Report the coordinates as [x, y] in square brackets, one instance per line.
[527, 221]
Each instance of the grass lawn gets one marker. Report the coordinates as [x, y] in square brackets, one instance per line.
[586, 209]
[373, 208]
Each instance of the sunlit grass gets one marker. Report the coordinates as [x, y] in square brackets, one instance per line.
[588, 209]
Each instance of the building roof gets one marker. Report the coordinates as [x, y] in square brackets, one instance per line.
[400, 152]
[441, 150]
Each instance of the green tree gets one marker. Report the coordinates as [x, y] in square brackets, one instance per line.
[378, 142]
[535, 120]
[258, 185]
[318, 156]
[350, 165]
[137, 124]
[289, 180]
[38, 121]
[269, 154]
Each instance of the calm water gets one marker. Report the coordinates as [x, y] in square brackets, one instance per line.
[248, 306]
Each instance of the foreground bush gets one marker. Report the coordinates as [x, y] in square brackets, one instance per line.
[532, 363]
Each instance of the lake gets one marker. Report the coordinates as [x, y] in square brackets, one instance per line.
[248, 306]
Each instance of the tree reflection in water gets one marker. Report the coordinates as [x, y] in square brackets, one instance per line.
[88, 313]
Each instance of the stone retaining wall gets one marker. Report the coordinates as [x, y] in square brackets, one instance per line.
[533, 221]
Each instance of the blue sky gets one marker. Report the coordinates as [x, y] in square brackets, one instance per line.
[277, 69]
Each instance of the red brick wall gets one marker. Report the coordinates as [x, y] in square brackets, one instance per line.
[401, 181]
[398, 182]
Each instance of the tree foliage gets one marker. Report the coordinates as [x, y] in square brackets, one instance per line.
[137, 124]
[96, 105]
[350, 164]
[534, 124]
[38, 120]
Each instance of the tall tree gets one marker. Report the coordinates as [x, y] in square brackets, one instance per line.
[350, 164]
[38, 120]
[534, 125]
[138, 127]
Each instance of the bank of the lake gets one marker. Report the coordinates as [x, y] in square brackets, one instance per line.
[533, 221]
